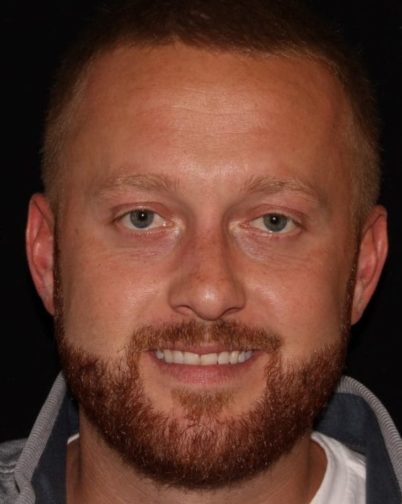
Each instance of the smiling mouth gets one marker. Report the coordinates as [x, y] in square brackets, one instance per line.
[207, 359]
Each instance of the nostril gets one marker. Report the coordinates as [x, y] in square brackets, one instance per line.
[207, 300]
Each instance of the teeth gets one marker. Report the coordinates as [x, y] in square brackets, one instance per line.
[234, 357]
[224, 358]
[191, 358]
[178, 357]
[210, 359]
[168, 354]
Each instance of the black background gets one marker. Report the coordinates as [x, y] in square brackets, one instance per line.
[34, 34]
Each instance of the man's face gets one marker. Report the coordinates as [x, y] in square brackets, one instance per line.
[207, 214]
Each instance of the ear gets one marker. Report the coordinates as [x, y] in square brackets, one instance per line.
[372, 254]
[40, 248]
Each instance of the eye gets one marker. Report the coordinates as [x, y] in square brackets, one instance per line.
[275, 223]
[142, 218]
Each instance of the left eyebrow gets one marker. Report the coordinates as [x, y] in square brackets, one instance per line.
[273, 185]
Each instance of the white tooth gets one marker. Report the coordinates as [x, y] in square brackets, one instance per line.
[209, 359]
[178, 357]
[191, 358]
[168, 356]
[223, 358]
[233, 359]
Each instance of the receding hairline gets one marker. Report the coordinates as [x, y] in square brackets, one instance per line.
[67, 114]
[252, 28]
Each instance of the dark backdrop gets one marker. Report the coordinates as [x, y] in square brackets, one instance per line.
[35, 33]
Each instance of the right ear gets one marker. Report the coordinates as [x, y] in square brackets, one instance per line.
[40, 248]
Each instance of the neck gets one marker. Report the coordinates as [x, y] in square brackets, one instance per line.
[97, 474]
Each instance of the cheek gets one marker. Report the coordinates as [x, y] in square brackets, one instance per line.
[302, 298]
[106, 295]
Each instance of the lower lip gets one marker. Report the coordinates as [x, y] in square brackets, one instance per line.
[204, 375]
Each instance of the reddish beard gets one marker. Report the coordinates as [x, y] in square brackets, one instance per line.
[200, 451]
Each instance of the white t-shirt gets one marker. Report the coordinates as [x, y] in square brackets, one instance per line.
[345, 477]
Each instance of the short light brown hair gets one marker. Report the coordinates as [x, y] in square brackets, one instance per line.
[246, 26]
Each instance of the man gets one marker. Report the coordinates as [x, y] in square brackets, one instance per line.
[208, 233]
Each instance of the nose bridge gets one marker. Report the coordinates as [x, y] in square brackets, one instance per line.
[206, 285]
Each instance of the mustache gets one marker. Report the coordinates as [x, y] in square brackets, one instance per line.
[230, 334]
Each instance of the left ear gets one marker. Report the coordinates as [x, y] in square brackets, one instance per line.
[372, 254]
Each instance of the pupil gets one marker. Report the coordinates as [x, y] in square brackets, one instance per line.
[141, 218]
[275, 222]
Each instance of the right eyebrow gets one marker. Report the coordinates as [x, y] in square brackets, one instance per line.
[142, 182]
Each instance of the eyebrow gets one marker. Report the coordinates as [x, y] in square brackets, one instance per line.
[273, 185]
[159, 182]
[144, 182]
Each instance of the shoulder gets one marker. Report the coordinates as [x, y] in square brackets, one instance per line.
[9, 455]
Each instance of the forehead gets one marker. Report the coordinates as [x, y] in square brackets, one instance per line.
[160, 106]
[212, 80]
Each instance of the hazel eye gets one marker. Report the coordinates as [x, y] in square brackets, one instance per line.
[275, 223]
[142, 219]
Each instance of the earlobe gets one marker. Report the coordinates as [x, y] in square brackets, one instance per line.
[40, 248]
[372, 254]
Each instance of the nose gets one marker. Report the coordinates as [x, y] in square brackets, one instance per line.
[206, 285]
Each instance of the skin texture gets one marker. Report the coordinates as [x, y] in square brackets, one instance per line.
[210, 142]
